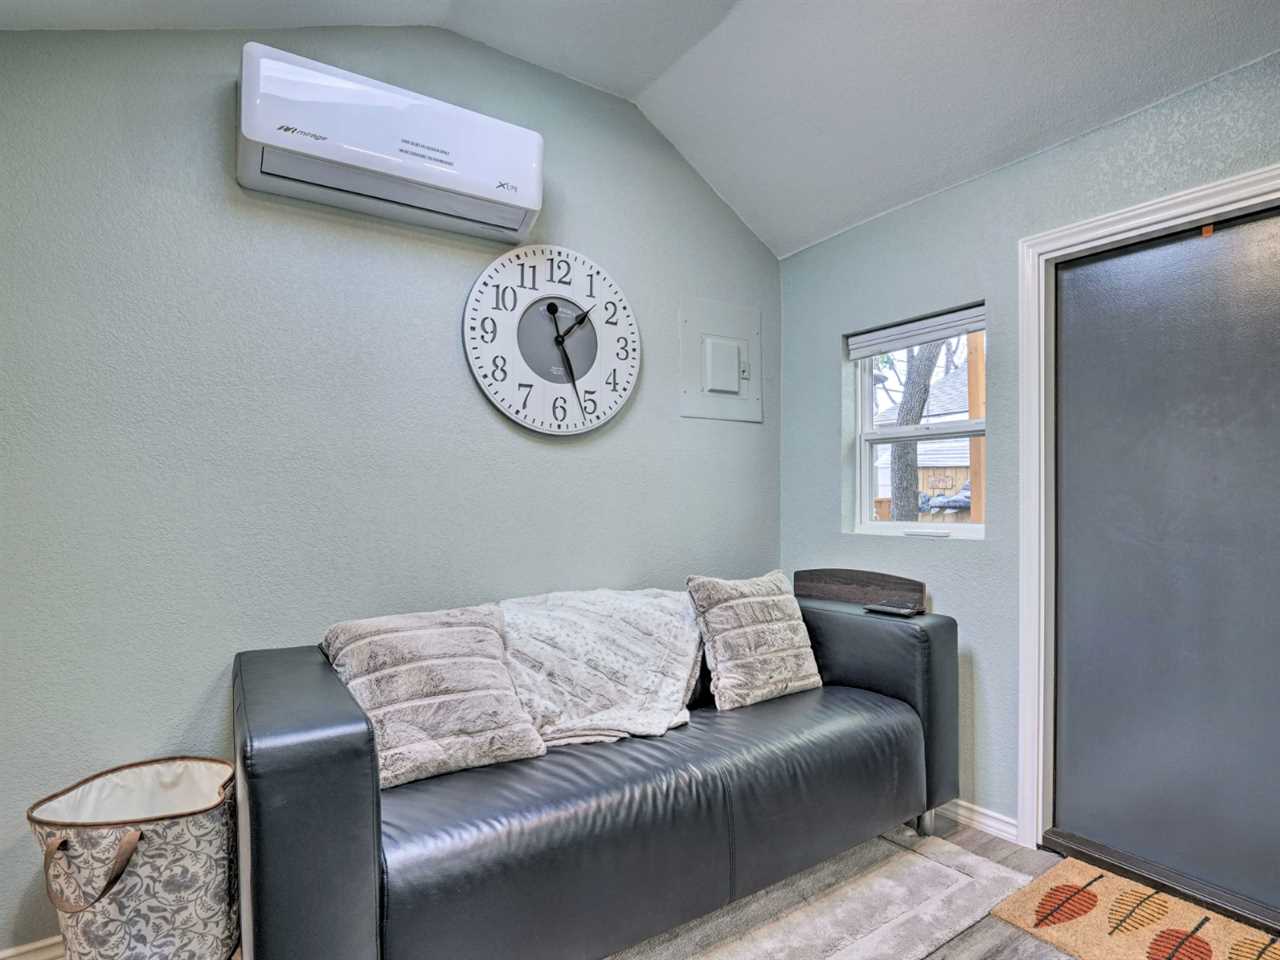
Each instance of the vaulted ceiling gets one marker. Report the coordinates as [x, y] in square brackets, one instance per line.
[620, 46]
[811, 116]
[808, 116]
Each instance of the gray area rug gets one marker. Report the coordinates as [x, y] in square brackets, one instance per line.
[898, 897]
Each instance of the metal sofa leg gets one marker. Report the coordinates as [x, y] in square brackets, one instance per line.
[924, 824]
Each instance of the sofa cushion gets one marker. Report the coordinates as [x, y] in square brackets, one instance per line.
[813, 774]
[437, 690]
[755, 639]
[595, 847]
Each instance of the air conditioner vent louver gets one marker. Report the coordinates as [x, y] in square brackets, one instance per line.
[372, 186]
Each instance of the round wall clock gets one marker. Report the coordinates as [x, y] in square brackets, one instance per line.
[551, 340]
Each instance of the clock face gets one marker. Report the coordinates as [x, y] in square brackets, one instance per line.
[551, 340]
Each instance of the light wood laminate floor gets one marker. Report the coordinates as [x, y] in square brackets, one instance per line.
[989, 938]
[992, 938]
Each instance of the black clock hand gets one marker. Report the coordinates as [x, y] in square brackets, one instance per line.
[573, 378]
[579, 320]
[564, 352]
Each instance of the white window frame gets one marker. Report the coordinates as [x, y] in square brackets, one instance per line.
[860, 402]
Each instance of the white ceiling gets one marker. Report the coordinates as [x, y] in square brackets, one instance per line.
[616, 45]
[808, 116]
[620, 46]
[215, 14]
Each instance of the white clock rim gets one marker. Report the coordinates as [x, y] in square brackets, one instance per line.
[586, 427]
[499, 401]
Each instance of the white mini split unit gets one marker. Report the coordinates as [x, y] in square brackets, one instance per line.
[318, 133]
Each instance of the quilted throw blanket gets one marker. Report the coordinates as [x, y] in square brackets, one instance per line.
[600, 665]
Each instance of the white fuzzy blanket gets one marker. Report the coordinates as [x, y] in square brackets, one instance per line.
[598, 665]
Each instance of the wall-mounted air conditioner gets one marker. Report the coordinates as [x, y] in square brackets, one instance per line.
[314, 132]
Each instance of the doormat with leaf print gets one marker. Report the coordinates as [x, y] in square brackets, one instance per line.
[1097, 915]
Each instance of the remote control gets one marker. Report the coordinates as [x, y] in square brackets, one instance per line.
[895, 608]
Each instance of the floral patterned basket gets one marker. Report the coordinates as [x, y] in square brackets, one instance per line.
[140, 861]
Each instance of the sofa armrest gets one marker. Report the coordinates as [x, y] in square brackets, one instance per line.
[308, 810]
[912, 659]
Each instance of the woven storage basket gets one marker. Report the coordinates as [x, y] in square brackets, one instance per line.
[140, 861]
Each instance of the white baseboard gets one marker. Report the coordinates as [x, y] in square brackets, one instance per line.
[980, 818]
[50, 949]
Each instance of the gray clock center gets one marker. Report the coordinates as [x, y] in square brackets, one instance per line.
[536, 336]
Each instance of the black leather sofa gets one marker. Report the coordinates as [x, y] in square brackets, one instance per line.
[591, 848]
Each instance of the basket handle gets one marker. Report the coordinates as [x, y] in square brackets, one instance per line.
[128, 844]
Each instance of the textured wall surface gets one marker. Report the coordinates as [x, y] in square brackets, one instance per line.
[954, 248]
[231, 419]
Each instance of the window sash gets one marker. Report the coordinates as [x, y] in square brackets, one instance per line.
[864, 497]
[860, 349]
[942, 430]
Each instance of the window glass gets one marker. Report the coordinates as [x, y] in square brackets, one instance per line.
[938, 374]
[920, 445]
[934, 480]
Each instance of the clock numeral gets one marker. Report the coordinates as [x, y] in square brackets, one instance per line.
[611, 313]
[488, 330]
[532, 277]
[612, 381]
[589, 405]
[499, 372]
[591, 285]
[528, 392]
[559, 409]
[504, 298]
[624, 351]
[558, 270]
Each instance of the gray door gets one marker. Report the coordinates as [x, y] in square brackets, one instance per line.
[1168, 559]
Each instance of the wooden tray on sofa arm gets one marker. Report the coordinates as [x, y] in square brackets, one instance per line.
[858, 586]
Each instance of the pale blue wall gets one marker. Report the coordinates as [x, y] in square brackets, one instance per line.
[228, 419]
[953, 248]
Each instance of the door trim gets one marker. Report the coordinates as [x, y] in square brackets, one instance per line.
[1038, 257]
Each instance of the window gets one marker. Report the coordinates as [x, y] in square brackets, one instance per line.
[916, 398]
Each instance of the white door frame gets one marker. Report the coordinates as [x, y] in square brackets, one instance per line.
[1037, 259]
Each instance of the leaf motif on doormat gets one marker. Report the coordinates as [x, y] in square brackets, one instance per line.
[1250, 949]
[1121, 927]
[1135, 909]
[1180, 945]
[1065, 902]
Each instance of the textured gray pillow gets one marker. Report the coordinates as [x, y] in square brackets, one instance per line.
[437, 689]
[757, 644]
